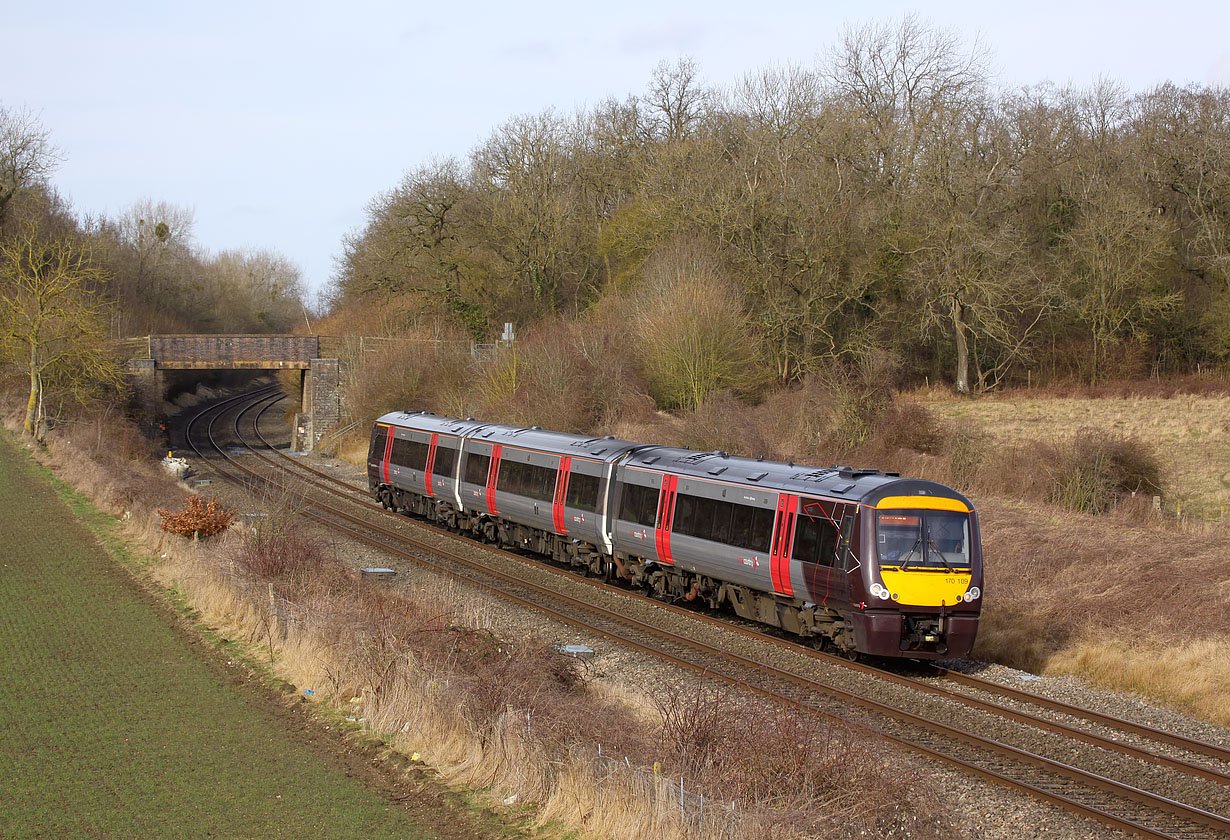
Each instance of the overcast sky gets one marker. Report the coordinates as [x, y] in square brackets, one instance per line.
[276, 123]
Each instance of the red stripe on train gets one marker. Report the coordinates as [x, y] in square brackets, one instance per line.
[431, 464]
[666, 518]
[561, 493]
[388, 455]
[783, 532]
[492, 472]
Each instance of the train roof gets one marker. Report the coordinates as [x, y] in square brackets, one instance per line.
[863, 486]
[425, 421]
[606, 448]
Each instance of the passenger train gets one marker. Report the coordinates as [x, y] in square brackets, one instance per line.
[860, 561]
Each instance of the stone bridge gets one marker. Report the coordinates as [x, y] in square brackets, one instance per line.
[318, 384]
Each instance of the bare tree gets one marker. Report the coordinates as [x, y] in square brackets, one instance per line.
[27, 155]
[1115, 252]
[525, 179]
[252, 290]
[901, 83]
[695, 334]
[677, 96]
[53, 318]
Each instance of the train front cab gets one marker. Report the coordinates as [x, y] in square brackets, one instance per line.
[922, 576]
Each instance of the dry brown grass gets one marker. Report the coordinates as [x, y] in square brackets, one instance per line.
[1071, 592]
[1190, 434]
[515, 718]
[1193, 674]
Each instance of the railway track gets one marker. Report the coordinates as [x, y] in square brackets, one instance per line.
[1150, 783]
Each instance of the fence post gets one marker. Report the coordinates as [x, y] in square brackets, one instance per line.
[273, 612]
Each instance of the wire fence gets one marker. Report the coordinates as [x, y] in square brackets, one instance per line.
[697, 813]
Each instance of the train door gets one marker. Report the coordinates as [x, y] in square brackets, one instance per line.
[783, 535]
[561, 493]
[431, 462]
[665, 519]
[376, 455]
[387, 458]
[493, 474]
[840, 589]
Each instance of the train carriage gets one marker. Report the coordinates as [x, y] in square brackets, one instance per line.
[866, 560]
[525, 487]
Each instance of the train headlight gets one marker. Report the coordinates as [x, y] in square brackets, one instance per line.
[879, 591]
[973, 594]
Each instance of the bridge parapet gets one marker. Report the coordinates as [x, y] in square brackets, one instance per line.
[233, 352]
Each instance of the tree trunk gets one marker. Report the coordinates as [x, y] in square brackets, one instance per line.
[958, 326]
[32, 403]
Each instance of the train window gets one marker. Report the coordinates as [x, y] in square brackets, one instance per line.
[718, 519]
[476, 469]
[399, 453]
[379, 438]
[815, 536]
[409, 453]
[639, 504]
[418, 454]
[445, 465]
[685, 515]
[512, 478]
[543, 488]
[706, 519]
[527, 480]
[582, 491]
[750, 527]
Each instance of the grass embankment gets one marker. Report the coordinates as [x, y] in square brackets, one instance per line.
[1189, 433]
[112, 725]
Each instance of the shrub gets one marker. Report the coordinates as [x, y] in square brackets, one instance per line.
[270, 554]
[854, 392]
[1097, 467]
[723, 422]
[198, 518]
[414, 370]
[695, 334]
[967, 451]
[909, 425]
[544, 379]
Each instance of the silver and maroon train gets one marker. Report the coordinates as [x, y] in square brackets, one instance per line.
[861, 560]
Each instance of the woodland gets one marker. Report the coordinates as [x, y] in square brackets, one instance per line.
[890, 206]
[74, 288]
[890, 198]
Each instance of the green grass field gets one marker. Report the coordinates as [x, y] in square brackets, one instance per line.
[111, 725]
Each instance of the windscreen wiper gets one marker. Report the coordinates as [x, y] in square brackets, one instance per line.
[905, 559]
[931, 546]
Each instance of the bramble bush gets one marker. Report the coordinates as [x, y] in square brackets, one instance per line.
[204, 519]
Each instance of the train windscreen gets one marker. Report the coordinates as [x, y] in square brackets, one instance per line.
[936, 539]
